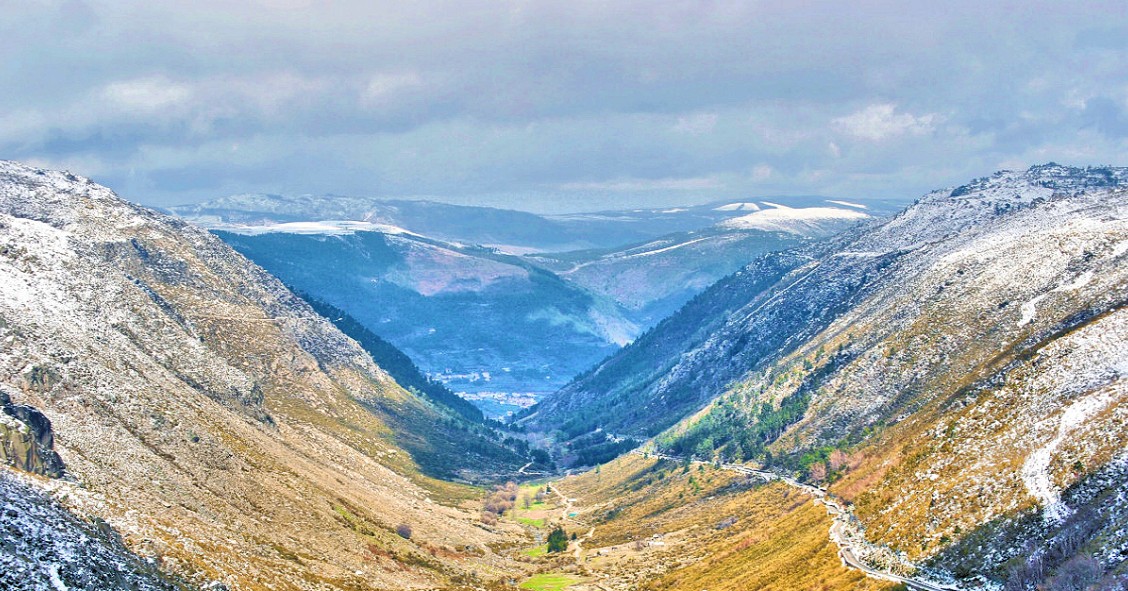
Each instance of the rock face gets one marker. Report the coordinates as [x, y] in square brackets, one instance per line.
[43, 547]
[26, 440]
[210, 416]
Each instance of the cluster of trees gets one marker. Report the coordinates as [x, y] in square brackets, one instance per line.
[828, 464]
[557, 540]
[739, 434]
[598, 448]
[502, 499]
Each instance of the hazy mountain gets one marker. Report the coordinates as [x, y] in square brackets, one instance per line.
[224, 429]
[512, 231]
[958, 372]
[650, 281]
[474, 319]
[501, 328]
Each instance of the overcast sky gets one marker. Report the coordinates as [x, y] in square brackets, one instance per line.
[557, 106]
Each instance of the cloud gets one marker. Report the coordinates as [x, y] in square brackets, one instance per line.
[696, 124]
[665, 184]
[148, 95]
[762, 172]
[382, 87]
[881, 121]
[452, 98]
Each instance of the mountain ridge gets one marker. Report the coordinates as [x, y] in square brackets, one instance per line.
[952, 371]
[207, 414]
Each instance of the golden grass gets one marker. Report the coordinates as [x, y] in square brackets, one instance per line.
[715, 530]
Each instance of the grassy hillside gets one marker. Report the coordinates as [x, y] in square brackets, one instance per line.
[228, 432]
[665, 525]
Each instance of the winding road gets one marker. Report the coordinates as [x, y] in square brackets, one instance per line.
[846, 550]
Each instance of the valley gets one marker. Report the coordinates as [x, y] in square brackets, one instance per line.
[933, 400]
[492, 309]
[374, 295]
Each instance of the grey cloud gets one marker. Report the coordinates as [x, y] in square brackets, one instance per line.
[183, 101]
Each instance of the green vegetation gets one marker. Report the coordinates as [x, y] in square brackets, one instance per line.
[550, 582]
[536, 551]
[538, 523]
[557, 540]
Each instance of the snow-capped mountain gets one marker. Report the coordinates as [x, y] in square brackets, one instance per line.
[516, 232]
[487, 321]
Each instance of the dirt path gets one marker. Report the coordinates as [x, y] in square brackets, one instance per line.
[841, 529]
[577, 544]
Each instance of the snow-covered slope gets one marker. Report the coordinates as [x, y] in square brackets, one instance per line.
[43, 547]
[212, 417]
[967, 361]
[805, 221]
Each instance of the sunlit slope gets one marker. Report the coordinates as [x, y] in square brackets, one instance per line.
[958, 372]
[210, 416]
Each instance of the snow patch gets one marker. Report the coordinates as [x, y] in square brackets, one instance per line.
[846, 203]
[1036, 470]
[326, 227]
[1028, 310]
[661, 250]
[56, 581]
[799, 220]
[738, 207]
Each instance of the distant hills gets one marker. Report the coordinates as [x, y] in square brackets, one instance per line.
[510, 321]
[508, 230]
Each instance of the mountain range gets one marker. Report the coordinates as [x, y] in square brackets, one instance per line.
[501, 324]
[934, 400]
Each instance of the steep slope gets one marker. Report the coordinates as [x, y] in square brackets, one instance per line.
[472, 318]
[678, 366]
[43, 547]
[962, 364]
[211, 417]
[395, 362]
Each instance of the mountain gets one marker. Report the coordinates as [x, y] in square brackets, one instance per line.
[512, 231]
[479, 321]
[650, 281]
[497, 327]
[229, 434]
[956, 372]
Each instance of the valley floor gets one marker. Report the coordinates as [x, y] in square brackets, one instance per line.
[647, 524]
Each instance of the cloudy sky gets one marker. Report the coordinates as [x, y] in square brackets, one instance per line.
[557, 106]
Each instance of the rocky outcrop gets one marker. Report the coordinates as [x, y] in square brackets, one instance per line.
[26, 439]
[45, 547]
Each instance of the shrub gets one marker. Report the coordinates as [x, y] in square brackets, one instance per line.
[557, 540]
